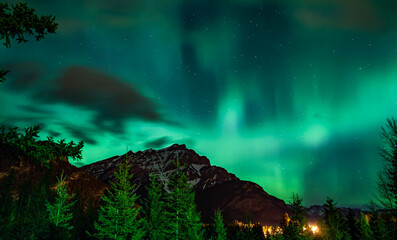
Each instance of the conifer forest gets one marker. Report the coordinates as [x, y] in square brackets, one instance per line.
[45, 193]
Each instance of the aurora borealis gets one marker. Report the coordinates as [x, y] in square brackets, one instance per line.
[288, 94]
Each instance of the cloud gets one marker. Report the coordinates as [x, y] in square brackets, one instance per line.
[53, 133]
[342, 15]
[34, 109]
[23, 75]
[81, 134]
[157, 143]
[112, 100]
[24, 121]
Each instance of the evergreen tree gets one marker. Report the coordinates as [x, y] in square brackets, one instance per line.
[60, 212]
[364, 228]
[20, 20]
[246, 231]
[30, 218]
[183, 218]
[153, 210]
[387, 182]
[118, 216]
[35, 152]
[334, 222]
[377, 224]
[277, 236]
[352, 225]
[293, 227]
[7, 203]
[219, 227]
[257, 230]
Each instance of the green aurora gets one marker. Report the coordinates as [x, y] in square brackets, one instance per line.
[289, 95]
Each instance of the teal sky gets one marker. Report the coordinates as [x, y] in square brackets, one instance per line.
[288, 94]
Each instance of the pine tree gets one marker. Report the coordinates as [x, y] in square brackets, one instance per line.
[60, 212]
[183, 218]
[219, 227]
[153, 210]
[334, 222]
[387, 182]
[7, 203]
[294, 225]
[364, 228]
[377, 224]
[352, 225]
[118, 216]
[30, 218]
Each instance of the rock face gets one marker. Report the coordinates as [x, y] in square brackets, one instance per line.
[214, 186]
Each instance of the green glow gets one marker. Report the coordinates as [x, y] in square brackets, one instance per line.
[277, 93]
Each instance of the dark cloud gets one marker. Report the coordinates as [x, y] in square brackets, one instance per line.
[341, 15]
[24, 75]
[53, 133]
[158, 143]
[25, 121]
[112, 100]
[81, 134]
[34, 109]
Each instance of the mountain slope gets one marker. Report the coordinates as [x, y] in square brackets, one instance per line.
[214, 186]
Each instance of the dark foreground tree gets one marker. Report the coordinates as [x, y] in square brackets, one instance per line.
[334, 223]
[153, 211]
[29, 214]
[387, 182]
[219, 227]
[118, 215]
[364, 228]
[60, 214]
[183, 218]
[352, 225]
[295, 227]
[382, 223]
[14, 144]
[19, 20]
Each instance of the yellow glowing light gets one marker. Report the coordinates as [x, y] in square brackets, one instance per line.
[314, 229]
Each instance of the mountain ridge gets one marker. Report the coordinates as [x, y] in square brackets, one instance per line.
[214, 186]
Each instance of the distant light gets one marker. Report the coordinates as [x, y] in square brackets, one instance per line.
[314, 229]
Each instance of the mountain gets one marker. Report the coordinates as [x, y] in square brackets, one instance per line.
[214, 186]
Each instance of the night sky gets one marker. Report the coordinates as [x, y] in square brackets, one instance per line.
[288, 94]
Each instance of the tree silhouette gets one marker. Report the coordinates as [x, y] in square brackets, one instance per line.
[219, 227]
[60, 211]
[37, 152]
[364, 228]
[387, 182]
[118, 216]
[352, 225]
[334, 222]
[19, 20]
[153, 211]
[183, 218]
[294, 225]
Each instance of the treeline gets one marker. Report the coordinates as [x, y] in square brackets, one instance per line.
[334, 225]
[38, 210]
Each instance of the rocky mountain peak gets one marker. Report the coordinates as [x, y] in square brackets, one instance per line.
[214, 186]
